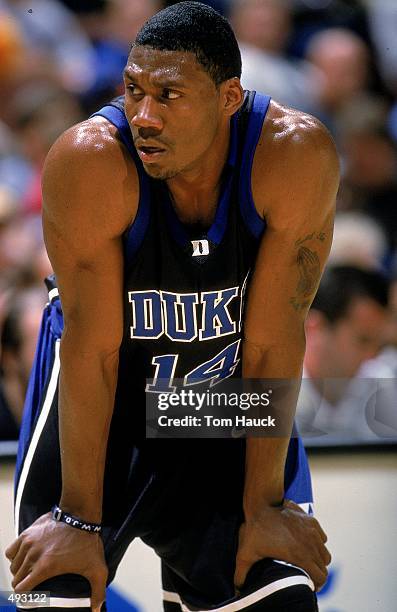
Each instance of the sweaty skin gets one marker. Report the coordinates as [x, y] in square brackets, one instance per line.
[294, 183]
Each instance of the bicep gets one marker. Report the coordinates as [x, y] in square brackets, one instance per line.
[296, 244]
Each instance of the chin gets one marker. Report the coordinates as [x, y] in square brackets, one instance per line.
[161, 174]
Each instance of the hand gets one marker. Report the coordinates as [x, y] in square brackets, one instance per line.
[48, 548]
[286, 533]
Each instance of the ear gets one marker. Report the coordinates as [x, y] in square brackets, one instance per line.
[315, 321]
[232, 96]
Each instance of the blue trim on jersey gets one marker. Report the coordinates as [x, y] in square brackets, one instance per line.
[297, 481]
[218, 227]
[135, 234]
[50, 331]
[252, 220]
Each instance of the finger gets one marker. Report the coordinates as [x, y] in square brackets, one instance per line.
[33, 576]
[317, 573]
[322, 579]
[325, 554]
[317, 553]
[320, 530]
[240, 574]
[18, 559]
[24, 570]
[12, 550]
[98, 590]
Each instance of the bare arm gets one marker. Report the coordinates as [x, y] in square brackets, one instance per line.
[84, 218]
[90, 197]
[298, 197]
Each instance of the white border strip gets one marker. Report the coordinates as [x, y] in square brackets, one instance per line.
[41, 421]
[53, 293]
[59, 602]
[244, 602]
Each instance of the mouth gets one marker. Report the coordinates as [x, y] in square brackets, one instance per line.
[149, 154]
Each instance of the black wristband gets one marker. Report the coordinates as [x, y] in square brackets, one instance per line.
[64, 517]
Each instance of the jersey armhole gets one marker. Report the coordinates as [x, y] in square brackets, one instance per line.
[135, 233]
[253, 221]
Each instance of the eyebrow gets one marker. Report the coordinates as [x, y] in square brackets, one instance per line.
[158, 81]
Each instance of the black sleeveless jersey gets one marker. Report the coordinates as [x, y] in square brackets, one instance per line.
[184, 292]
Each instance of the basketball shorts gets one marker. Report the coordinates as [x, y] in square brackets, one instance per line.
[181, 497]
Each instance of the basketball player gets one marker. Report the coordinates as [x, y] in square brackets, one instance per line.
[187, 192]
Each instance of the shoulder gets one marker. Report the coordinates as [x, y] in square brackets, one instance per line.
[89, 164]
[89, 145]
[287, 131]
[293, 148]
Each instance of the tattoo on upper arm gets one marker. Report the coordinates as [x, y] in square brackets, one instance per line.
[309, 272]
[313, 236]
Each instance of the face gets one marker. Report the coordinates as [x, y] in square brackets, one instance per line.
[358, 336]
[174, 109]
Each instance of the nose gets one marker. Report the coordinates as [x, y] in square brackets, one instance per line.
[147, 114]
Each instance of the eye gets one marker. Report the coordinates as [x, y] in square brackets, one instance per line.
[135, 90]
[169, 94]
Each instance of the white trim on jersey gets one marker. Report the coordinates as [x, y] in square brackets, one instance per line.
[60, 602]
[299, 568]
[307, 507]
[53, 293]
[41, 421]
[248, 600]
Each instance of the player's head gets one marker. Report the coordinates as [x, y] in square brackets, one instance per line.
[348, 319]
[182, 85]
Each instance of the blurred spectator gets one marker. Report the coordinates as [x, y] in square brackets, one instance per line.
[342, 59]
[111, 27]
[345, 328]
[222, 6]
[313, 16]
[383, 26]
[358, 241]
[126, 17]
[370, 164]
[11, 45]
[53, 36]
[388, 356]
[262, 28]
[41, 112]
[15, 170]
[23, 262]
[18, 342]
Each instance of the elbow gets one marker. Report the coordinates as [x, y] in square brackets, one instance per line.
[85, 344]
[280, 357]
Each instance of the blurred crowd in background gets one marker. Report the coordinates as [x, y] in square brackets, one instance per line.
[60, 60]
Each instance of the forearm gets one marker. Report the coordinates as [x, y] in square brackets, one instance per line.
[86, 402]
[266, 456]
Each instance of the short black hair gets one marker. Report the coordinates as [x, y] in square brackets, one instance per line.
[197, 28]
[341, 285]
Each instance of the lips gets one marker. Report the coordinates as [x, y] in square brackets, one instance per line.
[149, 153]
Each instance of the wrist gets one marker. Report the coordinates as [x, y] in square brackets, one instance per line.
[256, 511]
[61, 516]
[88, 508]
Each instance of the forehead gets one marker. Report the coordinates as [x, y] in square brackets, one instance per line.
[155, 64]
[366, 314]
